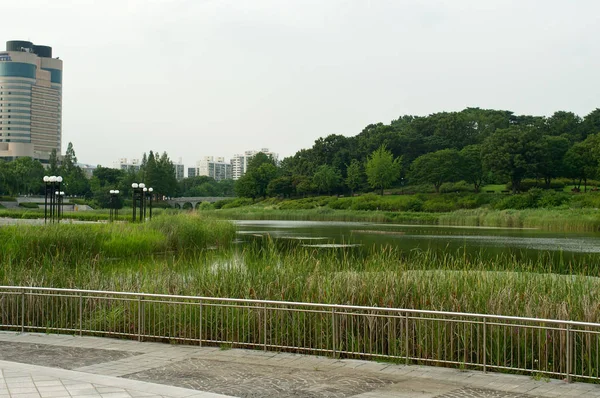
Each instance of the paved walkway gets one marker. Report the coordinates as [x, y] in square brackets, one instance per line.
[38, 365]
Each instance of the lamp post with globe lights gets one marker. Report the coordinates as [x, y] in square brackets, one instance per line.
[52, 186]
[114, 212]
[58, 202]
[138, 198]
[150, 196]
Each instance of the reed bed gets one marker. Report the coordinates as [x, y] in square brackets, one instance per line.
[454, 281]
[567, 220]
[504, 285]
[72, 244]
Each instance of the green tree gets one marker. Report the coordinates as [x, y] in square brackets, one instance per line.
[281, 186]
[382, 169]
[354, 179]
[551, 162]
[581, 160]
[326, 179]
[436, 168]
[53, 163]
[471, 166]
[69, 160]
[513, 153]
[261, 170]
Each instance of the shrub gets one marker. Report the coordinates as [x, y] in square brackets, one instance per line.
[29, 205]
[341, 204]
[239, 202]
[513, 202]
[530, 183]
[460, 186]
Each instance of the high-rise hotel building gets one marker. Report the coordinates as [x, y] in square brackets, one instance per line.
[30, 101]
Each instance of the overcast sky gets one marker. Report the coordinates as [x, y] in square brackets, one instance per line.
[218, 77]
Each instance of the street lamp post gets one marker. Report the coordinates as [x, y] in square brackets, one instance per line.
[58, 203]
[46, 180]
[114, 212]
[150, 194]
[134, 188]
[138, 195]
[145, 201]
[51, 194]
[62, 203]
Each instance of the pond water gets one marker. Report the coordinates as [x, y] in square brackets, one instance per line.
[487, 241]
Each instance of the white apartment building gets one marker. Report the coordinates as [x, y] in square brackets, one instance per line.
[211, 167]
[125, 164]
[239, 163]
[179, 170]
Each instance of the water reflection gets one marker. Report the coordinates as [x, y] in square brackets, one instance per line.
[523, 243]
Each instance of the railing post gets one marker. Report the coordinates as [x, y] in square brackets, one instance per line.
[333, 332]
[140, 320]
[80, 314]
[200, 334]
[569, 354]
[265, 327]
[406, 336]
[484, 344]
[22, 310]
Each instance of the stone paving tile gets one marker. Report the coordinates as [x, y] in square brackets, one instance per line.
[468, 392]
[270, 374]
[56, 356]
[254, 381]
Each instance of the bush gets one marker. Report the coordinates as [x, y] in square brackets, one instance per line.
[205, 206]
[239, 202]
[553, 199]
[161, 204]
[7, 198]
[514, 202]
[460, 186]
[28, 205]
[341, 204]
[306, 203]
[530, 183]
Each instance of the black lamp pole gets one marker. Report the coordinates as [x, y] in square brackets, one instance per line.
[150, 194]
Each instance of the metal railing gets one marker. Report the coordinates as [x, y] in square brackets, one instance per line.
[545, 347]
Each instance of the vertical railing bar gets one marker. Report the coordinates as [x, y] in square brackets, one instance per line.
[80, 314]
[484, 344]
[568, 364]
[333, 334]
[200, 326]
[406, 336]
[265, 327]
[22, 310]
[139, 328]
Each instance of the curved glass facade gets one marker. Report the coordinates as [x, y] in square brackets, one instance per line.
[17, 69]
[30, 99]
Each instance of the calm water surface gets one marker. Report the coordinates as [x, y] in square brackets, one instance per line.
[523, 243]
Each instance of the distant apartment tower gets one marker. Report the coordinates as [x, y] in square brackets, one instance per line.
[179, 170]
[30, 101]
[208, 166]
[125, 164]
[239, 163]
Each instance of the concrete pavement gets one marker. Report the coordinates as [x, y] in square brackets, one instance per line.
[38, 365]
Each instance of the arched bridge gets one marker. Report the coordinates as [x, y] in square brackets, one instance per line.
[194, 201]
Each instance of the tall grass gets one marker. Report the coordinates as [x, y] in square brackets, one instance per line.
[453, 281]
[68, 244]
[422, 280]
[568, 220]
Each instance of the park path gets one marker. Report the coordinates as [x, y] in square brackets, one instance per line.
[39, 365]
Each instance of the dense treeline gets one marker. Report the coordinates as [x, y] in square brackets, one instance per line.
[23, 176]
[479, 146]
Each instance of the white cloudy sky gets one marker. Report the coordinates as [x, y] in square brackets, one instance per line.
[218, 77]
